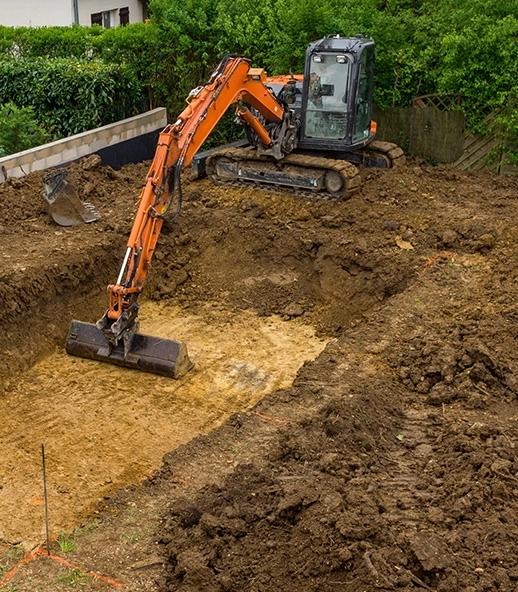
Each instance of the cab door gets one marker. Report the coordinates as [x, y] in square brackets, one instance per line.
[328, 100]
[363, 100]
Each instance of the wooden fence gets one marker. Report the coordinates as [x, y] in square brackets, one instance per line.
[434, 129]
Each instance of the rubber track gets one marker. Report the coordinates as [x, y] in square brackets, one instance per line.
[350, 173]
[392, 151]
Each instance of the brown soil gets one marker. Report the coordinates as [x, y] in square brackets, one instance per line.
[389, 461]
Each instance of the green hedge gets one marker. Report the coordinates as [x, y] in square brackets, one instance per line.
[19, 129]
[467, 47]
[69, 96]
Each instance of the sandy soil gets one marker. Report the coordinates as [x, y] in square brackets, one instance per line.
[384, 461]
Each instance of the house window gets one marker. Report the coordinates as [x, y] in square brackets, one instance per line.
[124, 16]
[105, 19]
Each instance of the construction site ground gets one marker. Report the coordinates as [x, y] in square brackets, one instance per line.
[351, 420]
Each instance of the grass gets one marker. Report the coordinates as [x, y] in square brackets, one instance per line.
[66, 543]
[10, 557]
[130, 538]
[87, 528]
[416, 514]
[75, 577]
[132, 514]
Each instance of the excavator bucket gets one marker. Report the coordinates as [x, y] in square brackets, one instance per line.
[62, 202]
[149, 354]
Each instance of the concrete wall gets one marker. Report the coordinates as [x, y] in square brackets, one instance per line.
[111, 142]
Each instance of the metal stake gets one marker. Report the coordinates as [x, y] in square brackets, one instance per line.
[45, 496]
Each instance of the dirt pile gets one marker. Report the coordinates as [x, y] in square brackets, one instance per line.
[390, 462]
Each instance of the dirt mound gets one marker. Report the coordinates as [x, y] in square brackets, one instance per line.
[390, 483]
[390, 461]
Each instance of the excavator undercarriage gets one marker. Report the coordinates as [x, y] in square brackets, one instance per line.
[329, 177]
[297, 171]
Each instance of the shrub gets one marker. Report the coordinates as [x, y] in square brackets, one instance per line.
[69, 96]
[19, 129]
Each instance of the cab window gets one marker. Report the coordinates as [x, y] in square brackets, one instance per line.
[328, 89]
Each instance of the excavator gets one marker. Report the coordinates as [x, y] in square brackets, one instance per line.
[310, 132]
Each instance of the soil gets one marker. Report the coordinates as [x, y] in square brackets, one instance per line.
[380, 455]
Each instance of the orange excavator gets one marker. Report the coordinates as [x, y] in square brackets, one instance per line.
[308, 132]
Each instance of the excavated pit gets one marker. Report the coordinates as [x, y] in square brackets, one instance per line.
[248, 290]
[364, 353]
[105, 428]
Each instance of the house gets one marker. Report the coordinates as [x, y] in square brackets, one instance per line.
[106, 13]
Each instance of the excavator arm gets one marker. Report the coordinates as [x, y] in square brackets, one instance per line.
[233, 81]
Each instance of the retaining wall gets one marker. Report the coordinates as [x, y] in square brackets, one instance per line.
[129, 140]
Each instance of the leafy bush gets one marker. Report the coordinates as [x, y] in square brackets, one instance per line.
[19, 130]
[466, 47]
[49, 42]
[141, 49]
[69, 96]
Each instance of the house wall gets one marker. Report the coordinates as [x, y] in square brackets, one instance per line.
[34, 13]
[89, 7]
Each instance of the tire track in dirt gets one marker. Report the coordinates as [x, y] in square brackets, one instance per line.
[403, 501]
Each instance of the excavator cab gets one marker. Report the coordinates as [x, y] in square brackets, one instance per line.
[337, 94]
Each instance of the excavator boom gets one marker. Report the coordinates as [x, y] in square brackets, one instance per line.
[115, 338]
